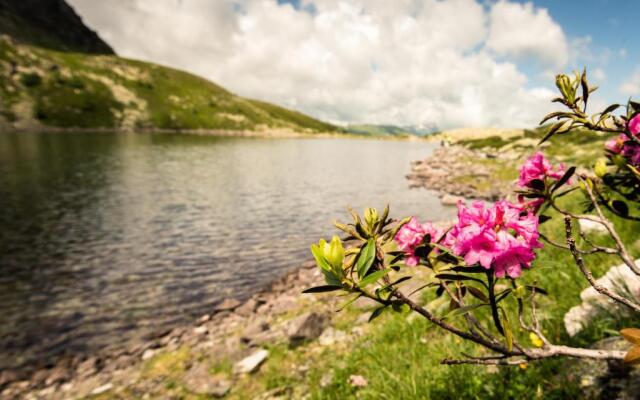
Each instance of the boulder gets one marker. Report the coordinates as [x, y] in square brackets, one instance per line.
[253, 330]
[248, 308]
[602, 379]
[619, 279]
[283, 304]
[8, 376]
[591, 226]
[251, 363]
[198, 380]
[306, 327]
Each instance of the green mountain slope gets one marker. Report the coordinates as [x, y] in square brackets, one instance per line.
[42, 88]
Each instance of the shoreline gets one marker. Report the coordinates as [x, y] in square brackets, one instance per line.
[266, 134]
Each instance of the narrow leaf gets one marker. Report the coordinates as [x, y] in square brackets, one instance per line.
[463, 310]
[366, 257]
[478, 294]
[322, 289]
[567, 175]
[376, 313]
[508, 335]
[371, 278]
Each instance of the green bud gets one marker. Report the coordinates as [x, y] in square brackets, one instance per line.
[600, 167]
[619, 161]
[334, 253]
[370, 216]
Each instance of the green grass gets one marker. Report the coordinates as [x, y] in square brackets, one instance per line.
[87, 91]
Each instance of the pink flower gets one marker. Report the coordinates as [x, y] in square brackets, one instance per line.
[411, 235]
[501, 238]
[532, 205]
[538, 167]
[632, 152]
[634, 125]
[616, 144]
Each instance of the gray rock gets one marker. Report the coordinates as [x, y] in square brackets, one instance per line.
[306, 327]
[87, 367]
[8, 376]
[102, 389]
[252, 363]
[198, 380]
[248, 308]
[601, 379]
[283, 304]
[228, 304]
[591, 226]
[253, 330]
[449, 200]
[57, 375]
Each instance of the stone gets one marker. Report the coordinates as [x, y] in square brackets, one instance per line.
[200, 330]
[591, 226]
[39, 377]
[204, 318]
[248, 308]
[228, 304]
[602, 379]
[307, 326]
[331, 336]
[358, 381]
[449, 200]
[619, 279]
[198, 380]
[57, 375]
[87, 367]
[254, 329]
[283, 304]
[149, 353]
[251, 363]
[102, 389]
[8, 376]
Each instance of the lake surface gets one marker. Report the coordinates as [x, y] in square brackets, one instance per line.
[104, 237]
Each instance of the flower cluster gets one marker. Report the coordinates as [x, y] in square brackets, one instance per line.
[501, 237]
[412, 235]
[537, 167]
[623, 146]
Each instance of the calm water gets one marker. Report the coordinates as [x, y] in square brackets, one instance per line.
[104, 237]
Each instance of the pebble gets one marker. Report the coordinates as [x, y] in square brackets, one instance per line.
[252, 363]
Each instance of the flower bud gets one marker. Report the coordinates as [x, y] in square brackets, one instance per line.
[370, 216]
[334, 252]
[600, 167]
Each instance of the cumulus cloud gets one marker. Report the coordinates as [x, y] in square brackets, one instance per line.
[406, 62]
[523, 31]
[631, 87]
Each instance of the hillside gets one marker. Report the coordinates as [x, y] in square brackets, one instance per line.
[42, 88]
[51, 24]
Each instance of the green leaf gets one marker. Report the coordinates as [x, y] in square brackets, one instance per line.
[543, 218]
[620, 207]
[322, 289]
[318, 254]
[471, 270]
[373, 277]
[508, 334]
[567, 175]
[478, 294]
[376, 313]
[502, 295]
[331, 278]
[366, 257]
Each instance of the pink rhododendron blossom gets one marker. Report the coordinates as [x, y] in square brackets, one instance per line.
[501, 237]
[411, 236]
[532, 205]
[632, 152]
[634, 125]
[538, 167]
[616, 144]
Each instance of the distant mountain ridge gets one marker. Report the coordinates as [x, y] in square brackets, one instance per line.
[388, 130]
[59, 74]
[51, 24]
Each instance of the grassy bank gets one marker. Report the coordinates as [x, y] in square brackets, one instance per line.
[42, 88]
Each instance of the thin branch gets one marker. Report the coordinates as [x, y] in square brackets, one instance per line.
[587, 273]
[593, 250]
[623, 253]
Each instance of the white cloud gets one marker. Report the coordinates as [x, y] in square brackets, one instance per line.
[631, 87]
[403, 62]
[526, 32]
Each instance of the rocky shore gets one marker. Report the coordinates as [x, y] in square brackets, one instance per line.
[457, 172]
[235, 333]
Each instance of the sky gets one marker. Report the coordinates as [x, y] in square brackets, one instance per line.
[436, 64]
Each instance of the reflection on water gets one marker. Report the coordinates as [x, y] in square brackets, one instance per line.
[104, 237]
